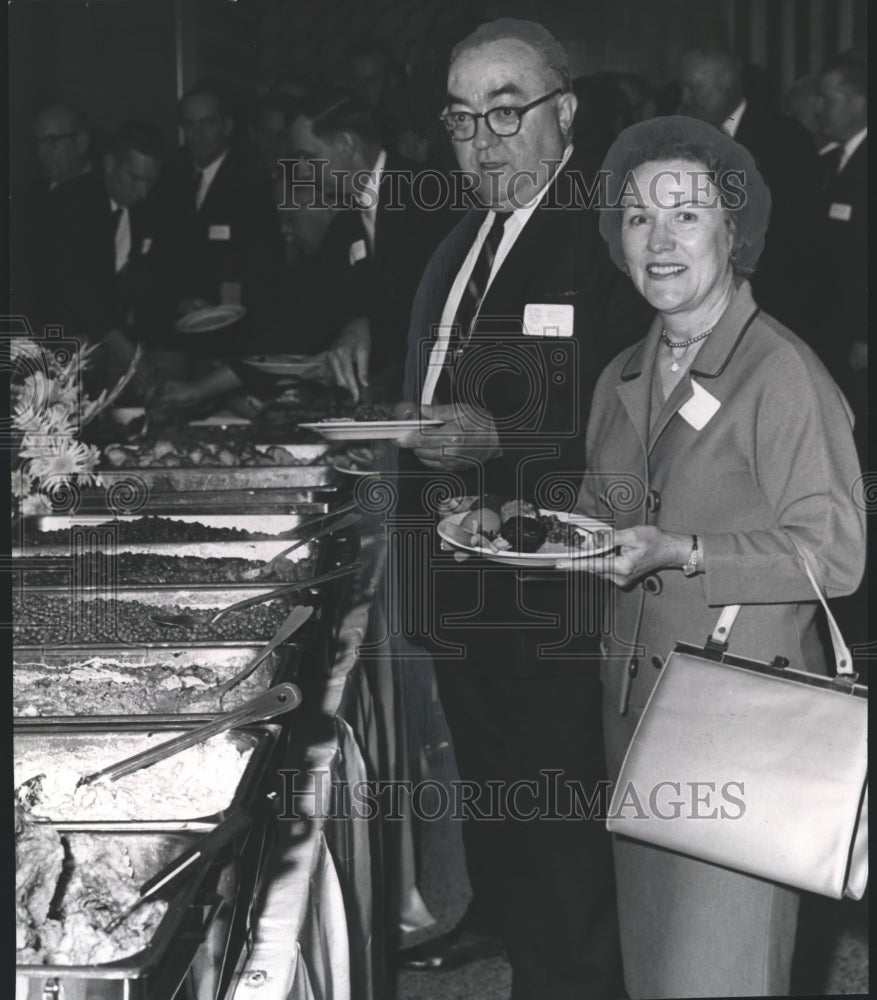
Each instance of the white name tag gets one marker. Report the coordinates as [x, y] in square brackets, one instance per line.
[837, 210]
[357, 252]
[145, 245]
[548, 319]
[701, 408]
[219, 233]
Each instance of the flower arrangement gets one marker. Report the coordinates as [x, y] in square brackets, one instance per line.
[49, 409]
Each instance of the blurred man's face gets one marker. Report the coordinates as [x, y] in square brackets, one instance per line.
[130, 178]
[271, 136]
[206, 130]
[843, 112]
[705, 91]
[507, 72]
[307, 148]
[61, 145]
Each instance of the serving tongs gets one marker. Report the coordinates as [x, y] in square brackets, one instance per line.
[275, 701]
[206, 845]
[190, 621]
[293, 621]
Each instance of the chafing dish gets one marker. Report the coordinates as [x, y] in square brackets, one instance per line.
[156, 972]
[173, 478]
[52, 667]
[106, 746]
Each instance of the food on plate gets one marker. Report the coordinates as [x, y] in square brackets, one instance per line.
[494, 523]
[101, 685]
[197, 782]
[68, 889]
[525, 534]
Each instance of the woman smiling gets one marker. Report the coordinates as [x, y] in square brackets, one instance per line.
[719, 444]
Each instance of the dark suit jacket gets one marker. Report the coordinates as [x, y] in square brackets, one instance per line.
[785, 282]
[85, 292]
[538, 389]
[381, 284]
[234, 237]
[843, 247]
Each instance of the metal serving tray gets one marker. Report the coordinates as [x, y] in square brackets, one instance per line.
[157, 971]
[235, 477]
[261, 739]
[279, 667]
[306, 501]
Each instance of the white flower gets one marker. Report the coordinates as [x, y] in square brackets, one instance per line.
[58, 455]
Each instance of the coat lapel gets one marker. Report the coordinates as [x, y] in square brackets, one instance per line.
[635, 387]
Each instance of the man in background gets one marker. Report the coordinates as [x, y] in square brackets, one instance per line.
[712, 90]
[100, 282]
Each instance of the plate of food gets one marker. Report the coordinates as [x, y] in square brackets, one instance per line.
[368, 430]
[517, 533]
[210, 318]
[301, 365]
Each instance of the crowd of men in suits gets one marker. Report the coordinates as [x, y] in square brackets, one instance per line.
[122, 243]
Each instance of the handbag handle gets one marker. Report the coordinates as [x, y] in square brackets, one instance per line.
[842, 657]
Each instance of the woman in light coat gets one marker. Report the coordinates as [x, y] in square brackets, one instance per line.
[712, 444]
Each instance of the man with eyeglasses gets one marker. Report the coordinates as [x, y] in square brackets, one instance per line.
[516, 315]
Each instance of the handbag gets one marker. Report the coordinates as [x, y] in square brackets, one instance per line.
[753, 766]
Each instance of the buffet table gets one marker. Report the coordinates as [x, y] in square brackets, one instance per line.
[318, 934]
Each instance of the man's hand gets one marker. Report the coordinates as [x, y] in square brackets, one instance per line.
[640, 550]
[468, 436]
[348, 356]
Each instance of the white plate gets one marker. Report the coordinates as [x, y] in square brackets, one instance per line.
[302, 365]
[555, 553]
[368, 430]
[345, 464]
[210, 319]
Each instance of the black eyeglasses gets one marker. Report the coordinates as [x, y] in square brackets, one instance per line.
[502, 121]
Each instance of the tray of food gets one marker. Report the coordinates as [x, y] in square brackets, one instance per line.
[192, 454]
[517, 533]
[192, 790]
[257, 536]
[52, 616]
[70, 887]
[88, 686]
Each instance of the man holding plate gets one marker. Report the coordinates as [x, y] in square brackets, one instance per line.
[516, 315]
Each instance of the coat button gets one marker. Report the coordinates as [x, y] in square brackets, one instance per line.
[633, 667]
[653, 501]
[657, 662]
[653, 584]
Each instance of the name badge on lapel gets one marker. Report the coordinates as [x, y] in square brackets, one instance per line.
[145, 245]
[219, 233]
[701, 408]
[838, 210]
[548, 319]
[357, 252]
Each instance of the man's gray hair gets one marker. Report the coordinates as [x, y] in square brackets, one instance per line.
[539, 38]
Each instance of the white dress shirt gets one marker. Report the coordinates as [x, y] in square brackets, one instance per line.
[207, 175]
[732, 122]
[123, 235]
[511, 231]
[367, 199]
[850, 146]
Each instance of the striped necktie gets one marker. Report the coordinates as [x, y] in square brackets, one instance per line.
[470, 305]
[473, 294]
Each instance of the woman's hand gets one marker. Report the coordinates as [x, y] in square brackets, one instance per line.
[638, 551]
[467, 436]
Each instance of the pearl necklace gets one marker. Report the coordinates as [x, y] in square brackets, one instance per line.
[682, 345]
